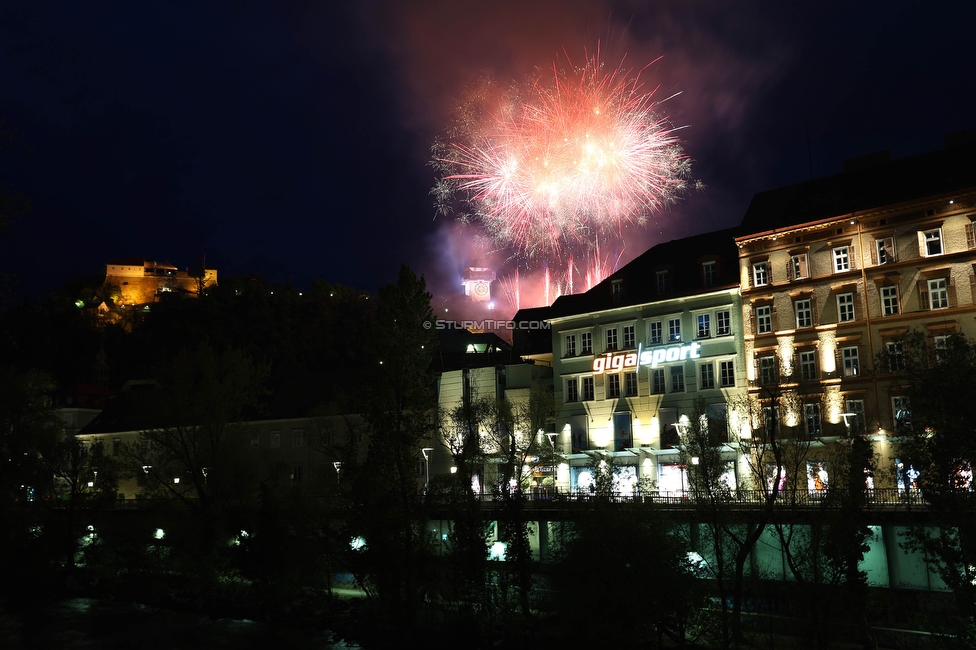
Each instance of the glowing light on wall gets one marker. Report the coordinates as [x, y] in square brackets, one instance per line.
[835, 404]
[828, 349]
[786, 355]
[603, 435]
[791, 415]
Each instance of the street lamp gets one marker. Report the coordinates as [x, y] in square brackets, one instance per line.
[338, 466]
[425, 451]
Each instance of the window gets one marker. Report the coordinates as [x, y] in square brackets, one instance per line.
[889, 301]
[804, 313]
[296, 473]
[704, 326]
[117, 447]
[896, 355]
[587, 389]
[572, 390]
[709, 274]
[808, 365]
[630, 384]
[851, 363]
[570, 345]
[760, 274]
[255, 440]
[855, 422]
[901, 411]
[723, 322]
[275, 439]
[677, 379]
[811, 419]
[707, 375]
[674, 329]
[586, 343]
[726, 373]
[296, 437]
[618, 290]
[657, 381]
[884, 250]
[764, 319]
[612, 338]
[845, 307]
[655, 332]
[767, 370]
[629, 338]
[931, 241]
[938, 293]
[798, 266]
[663, 282]
[613, 386]
[842, 259]
[940, 345]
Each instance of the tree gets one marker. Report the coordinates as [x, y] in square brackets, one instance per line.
[399, 410]
[936, 375]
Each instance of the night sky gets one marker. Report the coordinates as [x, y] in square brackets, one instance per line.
[291, 139]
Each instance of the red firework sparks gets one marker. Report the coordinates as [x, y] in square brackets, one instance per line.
[565, 162]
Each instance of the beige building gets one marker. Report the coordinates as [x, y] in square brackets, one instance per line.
[142, 281]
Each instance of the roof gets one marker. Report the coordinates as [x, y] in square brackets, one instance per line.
[884, 183]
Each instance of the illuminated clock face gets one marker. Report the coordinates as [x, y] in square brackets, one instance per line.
[481, 289]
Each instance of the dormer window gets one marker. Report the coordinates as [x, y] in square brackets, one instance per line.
[663, 282]
[618, 290]
[709, 273]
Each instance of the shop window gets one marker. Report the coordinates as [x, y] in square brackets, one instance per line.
[816, 476]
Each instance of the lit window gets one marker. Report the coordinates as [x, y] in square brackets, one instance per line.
[613, 386]
[629, 338]
[760, 274]
[938, 293]
[764, 319]
[852, 365]
[902, 412]
[572, 390]
[677, 379]
[808, 365]
[842, 259]
[707, 375]
[804, 313]
[856, 423]
[704, 326]
[931, 242]
[657, 381]
[845, 307]
[655, 332]
[889, 300]
[723, 323]
[587, 389]
[571, 345]
[674, 329]
[612, 338]
[709, 274]
[798, 267]
[586, 343]
[630, 383]
[726, 371]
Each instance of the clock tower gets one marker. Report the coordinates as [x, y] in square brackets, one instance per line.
[477, 283]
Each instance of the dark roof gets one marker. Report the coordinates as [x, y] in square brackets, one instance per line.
[865, 186]
[682, 258]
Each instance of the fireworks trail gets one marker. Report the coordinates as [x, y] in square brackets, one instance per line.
[561, 163]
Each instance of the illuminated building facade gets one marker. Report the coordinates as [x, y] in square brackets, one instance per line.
[142, 281]
[633, 356]
[836, 271]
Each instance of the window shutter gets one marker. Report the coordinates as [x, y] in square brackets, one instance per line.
[852, 258]
[951, 288]
[773, 319]
[803, 266]
[924, 295]
[921, 243]
[970, 236]
[752, 320]
[789, 270]
[814, 319]
[874, 254]
[889, 246]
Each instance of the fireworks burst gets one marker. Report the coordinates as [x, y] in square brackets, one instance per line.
[561, 162]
